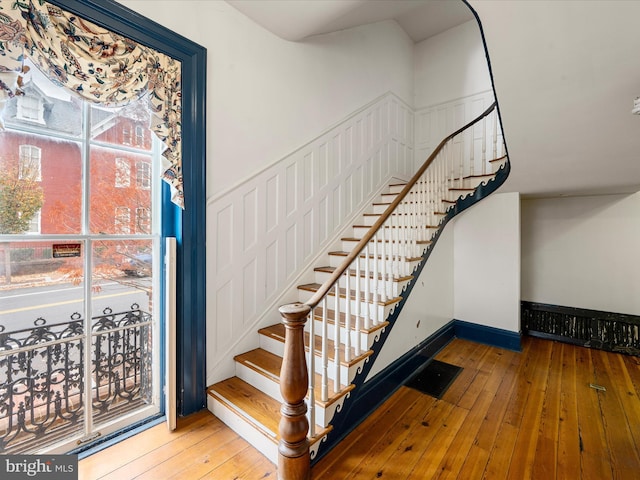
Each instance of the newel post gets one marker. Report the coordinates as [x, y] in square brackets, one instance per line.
[294, 462]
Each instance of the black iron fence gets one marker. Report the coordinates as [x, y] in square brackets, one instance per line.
[42, 376]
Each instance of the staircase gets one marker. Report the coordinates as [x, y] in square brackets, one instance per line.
[346, 310]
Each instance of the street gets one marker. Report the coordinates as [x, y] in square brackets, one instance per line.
[21, 307]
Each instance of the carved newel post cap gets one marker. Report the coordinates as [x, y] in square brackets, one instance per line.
[294, 309]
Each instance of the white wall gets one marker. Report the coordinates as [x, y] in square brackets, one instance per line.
[486, 263]
[268, 96]
[449, 66]
[582, 252]
[566, 74]
[429, 307]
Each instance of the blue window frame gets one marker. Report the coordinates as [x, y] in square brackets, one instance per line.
[188, 225]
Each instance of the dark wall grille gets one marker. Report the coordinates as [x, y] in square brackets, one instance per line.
[614, 332]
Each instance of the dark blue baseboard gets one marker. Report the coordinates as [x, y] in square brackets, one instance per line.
[496, 337]
[373, 393]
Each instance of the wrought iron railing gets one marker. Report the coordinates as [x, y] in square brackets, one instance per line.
[363, 289]
[42, 375]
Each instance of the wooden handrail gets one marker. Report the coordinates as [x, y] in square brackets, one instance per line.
[339, 271]
[293, 449]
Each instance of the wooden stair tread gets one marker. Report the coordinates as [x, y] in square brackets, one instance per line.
[499, 159]
[354, 239]
[461, 189]
[250, 403]
[317, 312]
[268, 364]
[342, 253]
[352, 273]
[314, 287]
[255, 406]
[277, 333]
[467, 177]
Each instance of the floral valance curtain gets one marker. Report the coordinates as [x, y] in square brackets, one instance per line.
[99, 65]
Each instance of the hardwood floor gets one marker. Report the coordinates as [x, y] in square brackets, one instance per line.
[529, 415]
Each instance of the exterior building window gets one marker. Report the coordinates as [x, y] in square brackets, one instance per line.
[126, 135]
[123, 172]
[139, 135]
[30, 163]
[143, 174]
[30, 109]
[122, 220]
[143, 220]
[34, 224]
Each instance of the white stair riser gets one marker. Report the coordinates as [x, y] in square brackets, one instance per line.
[346, 375]
[395, 188]
[366, 339]
[396, 287]
[391, 249]
[382, 310]
[262, 442]
[271, 386]
[336, 261]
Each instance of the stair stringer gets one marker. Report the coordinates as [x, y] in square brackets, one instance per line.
[348, 418]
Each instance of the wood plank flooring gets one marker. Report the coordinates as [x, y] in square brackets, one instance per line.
[529, 415]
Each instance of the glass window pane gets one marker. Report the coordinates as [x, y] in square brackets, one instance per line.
[127, 126]
[116, 195]
[46, 174]
[41, 313]
[121, 326]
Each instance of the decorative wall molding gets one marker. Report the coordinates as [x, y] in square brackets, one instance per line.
[435, 122]
[264, 233]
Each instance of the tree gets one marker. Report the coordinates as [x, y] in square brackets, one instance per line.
[21, 197]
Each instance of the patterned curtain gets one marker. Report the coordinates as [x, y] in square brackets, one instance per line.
[100, 66]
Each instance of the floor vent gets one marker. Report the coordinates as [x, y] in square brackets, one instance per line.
[614, 332]
[435, 378]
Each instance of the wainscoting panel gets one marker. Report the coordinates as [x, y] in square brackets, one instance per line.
[436, 122]
[263, 234]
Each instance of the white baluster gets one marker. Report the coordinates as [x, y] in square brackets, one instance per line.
[336, 341]
[359, 301]
[494, 116]
[347, 317]
[325, 355]
[384, 248]
[311, 410]
[367, 289]
[376, 279]
[484, 145]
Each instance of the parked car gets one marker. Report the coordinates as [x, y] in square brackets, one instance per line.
[137, 265]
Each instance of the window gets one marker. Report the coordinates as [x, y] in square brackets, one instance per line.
[34, 223]
[143, 174]
[122, 220]
[126, 135]
[139, 136]
[30, 108]
[143, 220]
[123, 172]
[30, 164]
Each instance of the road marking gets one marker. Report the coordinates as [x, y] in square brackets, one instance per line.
[55, 291]
[66, 302]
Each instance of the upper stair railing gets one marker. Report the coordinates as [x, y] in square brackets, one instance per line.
[360, 288]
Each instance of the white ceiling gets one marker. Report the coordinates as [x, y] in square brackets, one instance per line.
[564, 73]
[296, 20]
